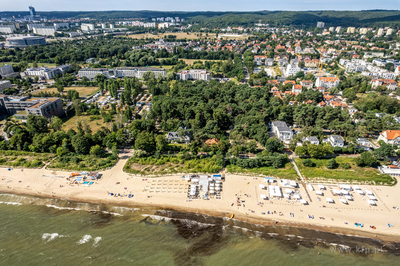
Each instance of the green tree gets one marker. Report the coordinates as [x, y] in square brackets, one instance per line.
[332, 164]
[161, 143]
[145, 141]
[274, 145]
[96, 150]
[56, 123]
[81, 144]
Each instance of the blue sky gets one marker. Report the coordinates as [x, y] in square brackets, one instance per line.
[203, 5]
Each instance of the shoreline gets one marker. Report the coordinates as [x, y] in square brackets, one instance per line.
[250, 220]
[170, 192]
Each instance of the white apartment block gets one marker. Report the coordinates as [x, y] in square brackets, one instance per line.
[61, 25]
[7, 28]
[138, 72]
[363, 31]
[292, 70]
[46, 73]
[194, 74]
[44, 30]
[282, 131]
[380, 32]
[87, 27]
[389, 32]
[149, 25]
[30, 26]
[351, 30]
[5, 84]
[338, 29]
[327, 82]
[90, 73]
[320, 24]
[6, 69]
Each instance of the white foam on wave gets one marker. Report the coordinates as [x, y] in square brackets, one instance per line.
[157, 217]
[84, 239]
[50, 237]
[10, 203]
[96, 241]
[79, 209]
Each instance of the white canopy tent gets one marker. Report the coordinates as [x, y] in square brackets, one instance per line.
[360, 192]
[310, 187]
[275, 191]
[369, 192]
[263, 196]
[336, 192]
[262, 186]
[286, 195]
[372, 202]
[329, 200]
[371, 197]
[319, 193]
[344, 192]
[303, 201]
[321, 187]
[297, 197]
[348, 197]
[343, 201]
[288, 191]
[345, 187]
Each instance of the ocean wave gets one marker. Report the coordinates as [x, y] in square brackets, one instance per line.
[84, 239]
[96, 241]
[50, 237]
[81, 209]
[10, 203]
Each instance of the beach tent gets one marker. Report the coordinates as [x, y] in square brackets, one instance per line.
[336, 192]
[274, 191]
[344, 192]
[262, 186]
[321, 187]
[310, 187]
[369, 192]
[195, 180]
[296, 196]
[372, 202]
[319, 193]
[286, 195]
[348, 197]
[263, 196]
[303, 201]
[343, 201]
[356, 187]
[359, 191]
[345, 187]
[329, 200]
[371, 197]
[288, 191]
[268, 179]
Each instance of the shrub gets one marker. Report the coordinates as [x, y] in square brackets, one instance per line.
[345, 165]
[308, 163]
[332, 164]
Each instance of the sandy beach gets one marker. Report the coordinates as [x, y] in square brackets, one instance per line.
[171, 192]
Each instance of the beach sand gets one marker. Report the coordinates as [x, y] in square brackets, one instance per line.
[171, 192]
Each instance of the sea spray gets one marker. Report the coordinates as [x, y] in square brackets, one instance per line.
[84, 239]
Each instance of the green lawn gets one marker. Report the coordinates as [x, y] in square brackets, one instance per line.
[288, 172]
[355, 174]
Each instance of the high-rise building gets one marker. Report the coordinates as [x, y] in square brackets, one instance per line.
[338, 29]
[44, 31]
[351, 30]
[332, 29]
[87, 27]
[389, 32]
[380, 32]
[61, 25]
[32, 11]
[7, 28]
[363, 31]
[320, 24]
[6, 69]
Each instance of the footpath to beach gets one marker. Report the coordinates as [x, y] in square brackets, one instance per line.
[171, 192]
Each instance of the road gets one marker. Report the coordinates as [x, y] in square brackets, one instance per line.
[246, 72]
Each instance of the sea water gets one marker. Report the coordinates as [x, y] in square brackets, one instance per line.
[40, 231]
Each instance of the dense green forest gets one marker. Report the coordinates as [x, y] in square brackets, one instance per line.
[223, 19]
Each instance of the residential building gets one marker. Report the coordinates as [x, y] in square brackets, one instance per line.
[6, 69]
[338, 29]
[390, 136]
[297, 88]
[307, 83]
[380, 32]
[47, 73]
[158, 72]
[331, 29]
[363, 31]
[320, 24]
[19, 105]
[388, 83]
[351, 30]
[312, 140]
[87, 27]
[61, 25]
[269, 62]
[44, 30]
[389, 32]
[90, 73]
[32, 11]
[194, 74]
[30, 26]
[392, 170]
[174, 137]
[25, 41]
[7, 28]
[327, 82]
[292, 70]
[335, 141]
[282, 131]
[4, 84]
[364, 143]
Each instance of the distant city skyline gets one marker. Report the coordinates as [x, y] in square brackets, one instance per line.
[205, 5]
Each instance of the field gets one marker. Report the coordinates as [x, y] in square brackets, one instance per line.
[288, 172]
[24, 159]
[171, 165]
[72, 122]
[83, 91]
[179, 35]
[356, 174]
[83, 162]
[30, 64]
